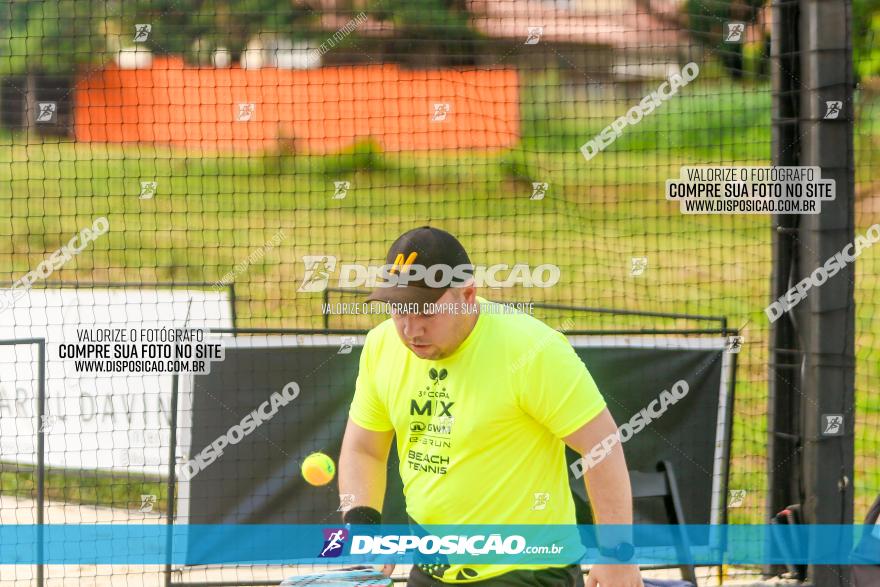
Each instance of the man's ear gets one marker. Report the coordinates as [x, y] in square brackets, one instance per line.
[469, 292]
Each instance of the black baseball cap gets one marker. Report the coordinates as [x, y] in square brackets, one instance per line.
[426, 247]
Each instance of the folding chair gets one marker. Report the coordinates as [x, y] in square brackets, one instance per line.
[654, 485]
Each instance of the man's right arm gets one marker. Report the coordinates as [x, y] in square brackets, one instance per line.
[363, 466]
[363, 469]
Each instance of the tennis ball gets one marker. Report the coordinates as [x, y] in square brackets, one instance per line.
[318, 469]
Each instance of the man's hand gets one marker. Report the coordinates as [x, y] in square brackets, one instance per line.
[614, 576]
[387, 570]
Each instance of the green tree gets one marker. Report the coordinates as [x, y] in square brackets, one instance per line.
[866, 36]
[48, 37]
[178, 24]
[64, 37]
[706, 22]
[433, 32]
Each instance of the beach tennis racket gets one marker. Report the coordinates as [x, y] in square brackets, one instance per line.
[361, 576]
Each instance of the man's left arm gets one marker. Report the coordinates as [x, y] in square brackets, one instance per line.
[562, 395]
[607, 481]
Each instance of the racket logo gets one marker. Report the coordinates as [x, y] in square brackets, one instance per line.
[334, 542]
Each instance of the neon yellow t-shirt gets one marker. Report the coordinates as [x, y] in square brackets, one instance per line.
[479, 432]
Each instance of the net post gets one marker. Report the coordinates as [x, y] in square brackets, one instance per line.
[172, 478]
[783, 424]
[41, 459]
[826, 320]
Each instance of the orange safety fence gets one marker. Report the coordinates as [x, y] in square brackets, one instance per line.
[315, 111]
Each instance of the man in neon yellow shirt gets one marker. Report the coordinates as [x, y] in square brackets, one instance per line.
[483, 404]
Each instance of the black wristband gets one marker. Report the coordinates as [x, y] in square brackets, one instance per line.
[623, 552]
[362, 515]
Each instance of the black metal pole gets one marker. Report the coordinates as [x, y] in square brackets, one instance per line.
[41, 458]
[232, 304]
[728, 443]
[783, 429]
[172, 461]
[172, 478]
[826, 318]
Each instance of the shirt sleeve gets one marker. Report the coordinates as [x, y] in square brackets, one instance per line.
[367, 408]
[559, 391]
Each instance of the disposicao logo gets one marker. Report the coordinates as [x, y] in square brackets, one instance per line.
[472, 545]
[634, 115]
[319, 270]
[334, 542]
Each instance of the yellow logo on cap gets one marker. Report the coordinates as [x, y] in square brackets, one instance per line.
[400, 264]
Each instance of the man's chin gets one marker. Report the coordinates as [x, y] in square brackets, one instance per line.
[427, 351]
